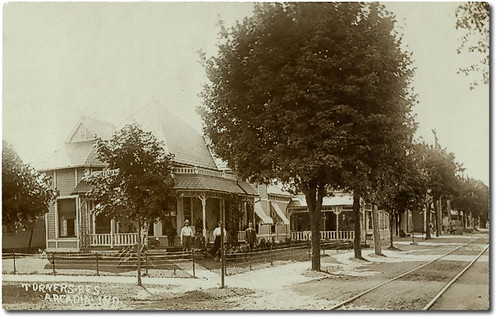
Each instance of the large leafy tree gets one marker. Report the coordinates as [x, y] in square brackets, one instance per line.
[26, 193]
[441, 170]
[472, 197]
[407, 188]
[296, 92]
[137, 184]
[474, 19]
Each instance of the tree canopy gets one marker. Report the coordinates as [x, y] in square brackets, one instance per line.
[26, 193]
[137, 183]
[314, 94]
[472, 196]
[474, 19]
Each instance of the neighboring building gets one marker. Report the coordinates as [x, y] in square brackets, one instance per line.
[337, 219]
[270, 218]
[200, 186]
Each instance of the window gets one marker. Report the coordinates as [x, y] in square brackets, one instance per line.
[102, 224]
[66, 210]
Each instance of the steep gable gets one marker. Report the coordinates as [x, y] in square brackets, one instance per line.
[187, 145]
[89, 129]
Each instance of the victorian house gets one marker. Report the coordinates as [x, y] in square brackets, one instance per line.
[200, 186]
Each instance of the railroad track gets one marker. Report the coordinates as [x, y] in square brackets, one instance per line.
[426, 266]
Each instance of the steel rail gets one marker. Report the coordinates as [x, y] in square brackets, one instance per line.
[454, 279]
[353, 298]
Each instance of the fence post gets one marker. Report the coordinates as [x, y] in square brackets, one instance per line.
[97, 263]
[272, 253]
[250, 259]
[194, 265]
[146, 262]
[54, 263]
[14, 259]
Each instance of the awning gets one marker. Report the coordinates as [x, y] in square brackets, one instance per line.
[278, 210]
[262, 214]
[82, 188]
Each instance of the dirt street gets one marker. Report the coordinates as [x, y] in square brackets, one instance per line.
[286, 285]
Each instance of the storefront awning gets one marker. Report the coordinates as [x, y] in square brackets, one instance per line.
[278, 210]
[262, 214]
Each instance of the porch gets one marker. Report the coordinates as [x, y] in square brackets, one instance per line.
[324, 235]
[113, 239]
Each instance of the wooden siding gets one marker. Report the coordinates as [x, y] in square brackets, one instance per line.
[67, 244]
[51, 222]
[65, 181]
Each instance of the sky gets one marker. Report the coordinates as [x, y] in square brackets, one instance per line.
[62, 61]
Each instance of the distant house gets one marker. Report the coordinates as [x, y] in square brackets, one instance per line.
[337, 219]
[199, 185]
[272, 221]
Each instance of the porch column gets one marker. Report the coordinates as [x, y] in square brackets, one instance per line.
[180, 214]
[337, 211]
[203, 200]
[111, 232]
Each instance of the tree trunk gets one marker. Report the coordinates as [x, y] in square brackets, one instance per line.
[32, 230]
[437, 207]
[139, 248]
[376, 230]
[427, 224]
[357, 226]
[391, 230]
[398, 224]
[314, 199]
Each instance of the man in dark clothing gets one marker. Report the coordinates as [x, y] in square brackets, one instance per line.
[250, 236]
[171, 233]
[217, 241]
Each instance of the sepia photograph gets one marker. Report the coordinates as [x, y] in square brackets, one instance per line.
[246, 156]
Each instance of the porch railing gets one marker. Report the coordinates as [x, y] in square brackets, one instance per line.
[324, 235]
[119, 239]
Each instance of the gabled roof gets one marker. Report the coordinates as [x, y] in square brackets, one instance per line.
[96, 128]
[187, 145]
[73, 154]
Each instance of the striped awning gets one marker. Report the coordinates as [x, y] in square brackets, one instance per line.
[259, 209]
[278, 210]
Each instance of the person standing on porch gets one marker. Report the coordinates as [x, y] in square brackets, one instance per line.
[170, 231]
[186, 236]
[217, 242]
[250, 236]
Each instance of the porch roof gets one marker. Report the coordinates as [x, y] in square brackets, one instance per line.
[339, 200]
[199, 182]
[74, 154]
